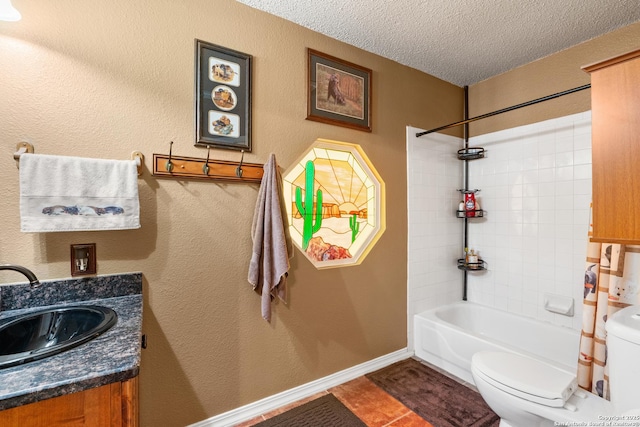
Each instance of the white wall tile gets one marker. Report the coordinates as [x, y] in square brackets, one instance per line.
[582, 157]
[434, 174]
[548, 205]
[535, 184]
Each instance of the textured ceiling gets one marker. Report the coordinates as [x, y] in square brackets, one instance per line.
[459, 41]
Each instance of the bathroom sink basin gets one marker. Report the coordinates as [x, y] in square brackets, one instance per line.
[43, 333]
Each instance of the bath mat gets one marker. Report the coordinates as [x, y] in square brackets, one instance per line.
[322, 412]
[435, 397]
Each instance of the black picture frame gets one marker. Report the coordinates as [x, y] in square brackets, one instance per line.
[222, 97]
[338, 92]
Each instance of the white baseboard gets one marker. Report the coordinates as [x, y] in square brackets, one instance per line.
[270, 403]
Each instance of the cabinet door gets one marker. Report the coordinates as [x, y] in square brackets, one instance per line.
[615, 106]
[129, 403]
[107, 406]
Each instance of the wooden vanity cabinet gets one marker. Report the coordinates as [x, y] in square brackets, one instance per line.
[111, 405]
[615, 108]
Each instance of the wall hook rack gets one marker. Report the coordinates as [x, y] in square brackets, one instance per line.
[205, 169]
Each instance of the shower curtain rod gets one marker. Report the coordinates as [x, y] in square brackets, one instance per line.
[504, 110]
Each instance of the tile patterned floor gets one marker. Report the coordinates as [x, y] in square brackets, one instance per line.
[369, 402]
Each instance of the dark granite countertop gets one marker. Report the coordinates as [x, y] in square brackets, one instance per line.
[112, 357]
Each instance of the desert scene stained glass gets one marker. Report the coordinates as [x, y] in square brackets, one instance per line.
[335, 204]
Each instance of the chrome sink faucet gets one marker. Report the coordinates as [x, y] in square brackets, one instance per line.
[33, 280]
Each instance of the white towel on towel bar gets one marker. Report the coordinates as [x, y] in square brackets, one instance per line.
[60, 193]
[272, 247]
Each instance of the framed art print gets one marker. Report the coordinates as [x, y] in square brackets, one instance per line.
[339, 92]
[222, 97]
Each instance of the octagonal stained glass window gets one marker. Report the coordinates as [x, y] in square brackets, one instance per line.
[335, 204]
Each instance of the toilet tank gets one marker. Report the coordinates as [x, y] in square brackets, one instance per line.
[623, 354]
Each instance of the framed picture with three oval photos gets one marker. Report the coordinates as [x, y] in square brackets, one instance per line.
[339, 92]
[222, 97]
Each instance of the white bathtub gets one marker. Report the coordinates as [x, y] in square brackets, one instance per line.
[448, 336]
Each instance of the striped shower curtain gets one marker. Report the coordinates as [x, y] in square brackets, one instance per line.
[611, 282]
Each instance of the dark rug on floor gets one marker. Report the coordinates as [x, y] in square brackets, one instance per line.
[322, 412]
[435, 397]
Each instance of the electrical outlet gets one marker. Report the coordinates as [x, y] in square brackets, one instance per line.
[83, 259]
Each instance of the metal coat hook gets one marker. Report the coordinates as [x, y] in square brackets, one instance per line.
[169, 165]
[239, 168]
[205, 167]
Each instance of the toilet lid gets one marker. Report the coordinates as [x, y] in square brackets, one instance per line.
[525, 377]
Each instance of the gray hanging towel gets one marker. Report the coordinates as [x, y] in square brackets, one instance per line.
[272, 247]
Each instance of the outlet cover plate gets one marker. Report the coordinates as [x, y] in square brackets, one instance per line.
[86, 251]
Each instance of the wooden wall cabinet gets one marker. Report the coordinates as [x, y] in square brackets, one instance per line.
[615, 107]
[112, 405]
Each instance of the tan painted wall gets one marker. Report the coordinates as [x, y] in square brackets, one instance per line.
[549, 75]
[100, 78]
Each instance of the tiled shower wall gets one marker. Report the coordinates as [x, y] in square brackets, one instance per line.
[535, 184]
[434, 175]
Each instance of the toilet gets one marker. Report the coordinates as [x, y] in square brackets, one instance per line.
[524, 391]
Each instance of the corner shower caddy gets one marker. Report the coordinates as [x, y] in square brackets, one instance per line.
[466, 154]
[471, 153]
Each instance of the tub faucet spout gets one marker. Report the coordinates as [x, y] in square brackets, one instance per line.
[33, 280]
